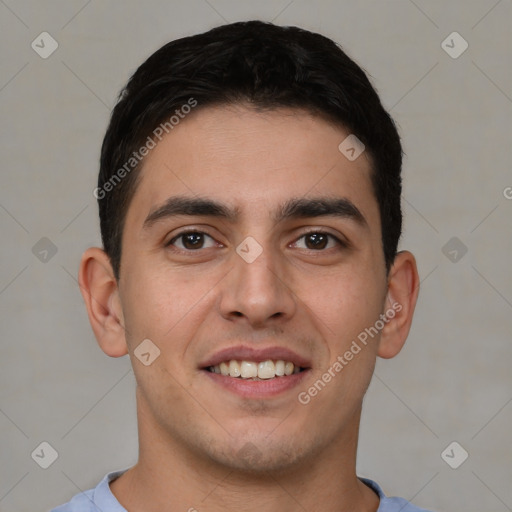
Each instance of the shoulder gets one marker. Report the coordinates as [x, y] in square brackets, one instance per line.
[82, 502]
[98, 499]
[391, 504]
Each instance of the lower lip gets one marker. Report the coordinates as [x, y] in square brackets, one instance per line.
[257, 389]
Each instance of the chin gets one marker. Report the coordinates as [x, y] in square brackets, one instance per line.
[259, 455]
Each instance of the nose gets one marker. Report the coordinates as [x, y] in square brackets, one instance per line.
[257, 293]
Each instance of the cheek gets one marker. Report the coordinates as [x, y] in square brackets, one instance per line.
[345, 303]
[163, 305]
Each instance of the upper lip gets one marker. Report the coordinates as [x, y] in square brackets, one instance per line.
[257, 355]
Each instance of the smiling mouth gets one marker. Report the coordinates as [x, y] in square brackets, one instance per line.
[251, 370]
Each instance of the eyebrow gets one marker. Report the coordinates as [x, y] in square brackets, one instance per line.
[300, 208]
[295, 208]
[181, 205]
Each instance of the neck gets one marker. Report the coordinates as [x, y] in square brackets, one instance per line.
[170, 477]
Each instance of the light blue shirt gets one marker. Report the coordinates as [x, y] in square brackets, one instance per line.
[101, 499]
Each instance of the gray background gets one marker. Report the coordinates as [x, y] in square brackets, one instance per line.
[452, 382]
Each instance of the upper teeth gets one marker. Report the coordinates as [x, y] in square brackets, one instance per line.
[250, 369]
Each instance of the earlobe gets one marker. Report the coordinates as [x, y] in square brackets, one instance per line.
[101, 296]
[403, 288]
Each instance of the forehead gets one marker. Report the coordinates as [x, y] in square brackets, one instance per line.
[252, 161]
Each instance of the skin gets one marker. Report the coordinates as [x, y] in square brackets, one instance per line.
[194, 434]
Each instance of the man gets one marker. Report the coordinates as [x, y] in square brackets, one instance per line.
[249, 197]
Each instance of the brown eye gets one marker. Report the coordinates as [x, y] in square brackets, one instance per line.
[192, 240]
[317, 241]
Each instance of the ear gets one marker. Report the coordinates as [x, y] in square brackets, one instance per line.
[403, 288]
[101, 295]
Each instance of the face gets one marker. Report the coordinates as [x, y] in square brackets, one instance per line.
[252, 238]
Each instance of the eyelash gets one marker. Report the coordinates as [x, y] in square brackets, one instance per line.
[340, 243]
